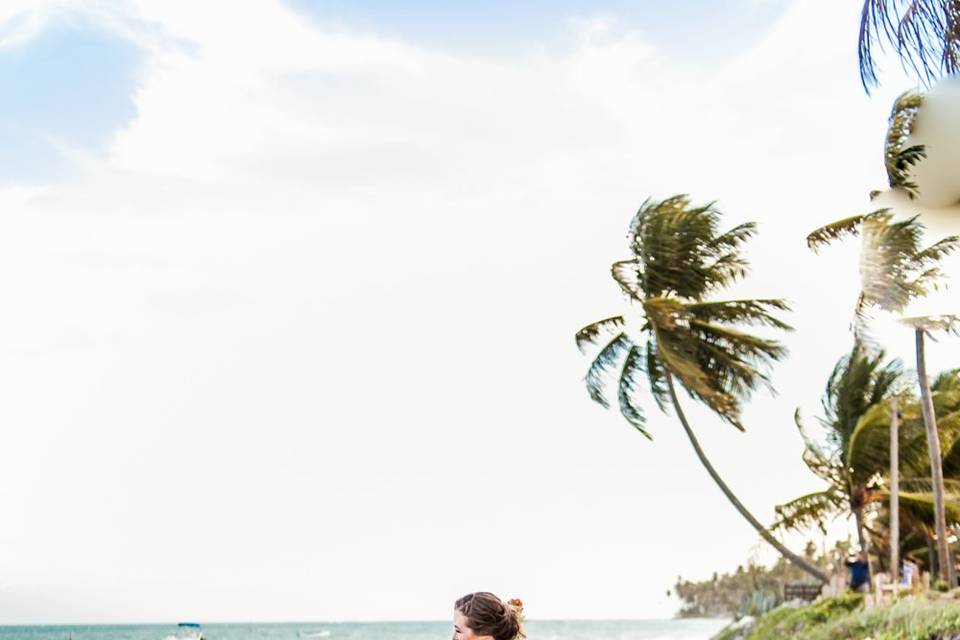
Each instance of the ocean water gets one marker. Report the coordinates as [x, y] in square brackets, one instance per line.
[536, 630]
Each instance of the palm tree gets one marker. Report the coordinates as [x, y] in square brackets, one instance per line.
[924, 33]
[894, 270]
[919, 499]
[859, 382]
[854, 458]
[679, 258]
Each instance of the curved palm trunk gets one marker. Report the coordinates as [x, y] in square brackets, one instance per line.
[799, 561]
[936, 464]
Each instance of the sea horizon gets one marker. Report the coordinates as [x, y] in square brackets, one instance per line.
[580, 629]
[128, 623]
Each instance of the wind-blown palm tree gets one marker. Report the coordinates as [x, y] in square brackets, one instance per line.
[894, 270]
[855, 456]
[859, 382]
[918, 500]
[679, 258]
[924, 33]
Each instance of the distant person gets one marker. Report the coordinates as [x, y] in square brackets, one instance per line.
[910, 573]
[484, 616]
[859, 571]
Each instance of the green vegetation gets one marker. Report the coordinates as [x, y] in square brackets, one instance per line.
[749, 591]
[846, 617]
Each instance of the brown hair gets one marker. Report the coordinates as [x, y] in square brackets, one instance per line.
[488, 615]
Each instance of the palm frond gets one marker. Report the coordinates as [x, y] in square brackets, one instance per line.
[914, 452]
[655, 377]
[951, 457]
[746, 312]
[762, 350]
[731, 373]
[868, 450]
[948, 323]
[678, 354]
[894, 269]
[808, 510]
[627, 390]
[924, 33]
[628, 274]
[638, 223]
[948, 429]
[729, 265]
[947, 381]
[863, 316]
[874, 21]
[588, 334]
[860, 382]
[823, 464]
[919, 506]
[951, 486]
[681, 250]
[727, 269]
[736, 362]
[834, 231]
[715, 363]
[602, 366]
[938, 250]
[733, 238]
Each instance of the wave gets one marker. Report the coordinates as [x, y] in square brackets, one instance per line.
[314, 634]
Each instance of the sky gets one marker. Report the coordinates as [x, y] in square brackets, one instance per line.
[289, 292]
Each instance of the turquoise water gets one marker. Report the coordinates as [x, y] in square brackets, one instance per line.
[536, 630]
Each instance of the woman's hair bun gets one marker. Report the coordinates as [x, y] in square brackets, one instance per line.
[488, 615]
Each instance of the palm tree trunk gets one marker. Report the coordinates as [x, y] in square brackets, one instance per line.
[895, 491]
[799, 561]
[936, 464]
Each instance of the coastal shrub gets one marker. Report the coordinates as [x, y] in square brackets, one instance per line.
[789, 623]
[912, 619]
[844, 617]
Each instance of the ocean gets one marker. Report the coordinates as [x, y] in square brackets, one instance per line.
[536, 630]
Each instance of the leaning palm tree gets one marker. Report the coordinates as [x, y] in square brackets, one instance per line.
[924, 33]
[894, 270]
[859, 382]
[676, 336]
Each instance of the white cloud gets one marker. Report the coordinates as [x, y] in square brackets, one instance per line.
[320, 296]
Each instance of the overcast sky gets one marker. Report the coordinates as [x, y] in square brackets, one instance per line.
[288, 294]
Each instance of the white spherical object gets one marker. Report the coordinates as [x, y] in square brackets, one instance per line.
[937, 127]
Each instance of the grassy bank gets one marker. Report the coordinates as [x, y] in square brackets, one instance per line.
[845, 617]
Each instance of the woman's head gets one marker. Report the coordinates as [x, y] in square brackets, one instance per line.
[483, 616]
